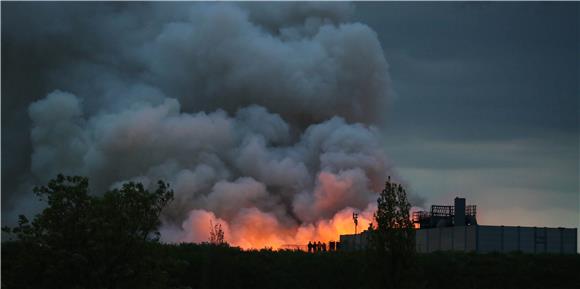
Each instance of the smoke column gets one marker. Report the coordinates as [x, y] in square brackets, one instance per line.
[263, 117]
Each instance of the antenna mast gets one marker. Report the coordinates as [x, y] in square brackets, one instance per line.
[355, 219]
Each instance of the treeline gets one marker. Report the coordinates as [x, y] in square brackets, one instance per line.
[211, 266]
[205, 266]
[82, 240]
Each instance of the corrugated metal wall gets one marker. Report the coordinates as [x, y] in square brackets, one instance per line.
[497, 239]
[446, 238]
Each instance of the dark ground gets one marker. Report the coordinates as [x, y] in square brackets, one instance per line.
[267, 269]
[205, 266]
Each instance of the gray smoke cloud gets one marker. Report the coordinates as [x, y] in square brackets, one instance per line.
[255, 113]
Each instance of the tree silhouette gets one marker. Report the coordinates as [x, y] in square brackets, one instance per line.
[393, 239]
[93, 241]
[216, 234]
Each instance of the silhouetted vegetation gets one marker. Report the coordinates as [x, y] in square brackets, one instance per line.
[110, 241]
[210, 266]
[216, 234]
[86, 241]
[205, 266]
[392, 242]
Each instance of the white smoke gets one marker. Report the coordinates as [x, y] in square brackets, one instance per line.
[265, 124]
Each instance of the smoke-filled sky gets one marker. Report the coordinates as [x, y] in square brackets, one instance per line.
[279, 119]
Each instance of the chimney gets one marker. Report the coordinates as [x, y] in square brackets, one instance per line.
[459, 219]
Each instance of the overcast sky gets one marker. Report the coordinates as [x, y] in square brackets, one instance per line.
[486, 105]
[485, 100]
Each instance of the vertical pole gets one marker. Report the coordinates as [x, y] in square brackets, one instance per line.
[355, 219]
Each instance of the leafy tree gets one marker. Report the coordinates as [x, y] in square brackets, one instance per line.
[90, 241]
[393, 240]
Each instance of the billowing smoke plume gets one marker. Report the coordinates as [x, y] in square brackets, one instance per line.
[262, 117]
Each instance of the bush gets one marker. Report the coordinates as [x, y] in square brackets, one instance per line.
[85, 241]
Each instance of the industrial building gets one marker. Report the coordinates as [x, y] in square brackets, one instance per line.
[455, 228]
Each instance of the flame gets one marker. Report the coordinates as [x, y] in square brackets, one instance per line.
[320, 216]
[254, 229]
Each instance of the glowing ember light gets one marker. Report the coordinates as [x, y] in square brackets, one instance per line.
[253, 229]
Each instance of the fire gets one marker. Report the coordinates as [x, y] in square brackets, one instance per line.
[254, 229]
[252, 219]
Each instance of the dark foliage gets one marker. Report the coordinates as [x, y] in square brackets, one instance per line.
[207, 266]
[392, 241]
[85, 241]
[210, 266]
[497, 270]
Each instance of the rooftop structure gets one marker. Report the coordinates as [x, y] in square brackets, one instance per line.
[446, 216]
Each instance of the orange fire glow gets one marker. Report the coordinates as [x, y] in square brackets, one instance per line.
[253, 229]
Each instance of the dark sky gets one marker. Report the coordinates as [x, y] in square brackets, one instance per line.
[486, 105]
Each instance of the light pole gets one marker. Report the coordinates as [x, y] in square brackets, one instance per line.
[355, 219]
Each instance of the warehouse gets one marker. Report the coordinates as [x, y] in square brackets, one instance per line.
[497, 239]
[455, 228]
